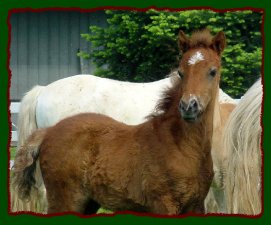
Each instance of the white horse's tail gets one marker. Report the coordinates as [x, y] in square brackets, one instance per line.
[27, 124]
[242, 138]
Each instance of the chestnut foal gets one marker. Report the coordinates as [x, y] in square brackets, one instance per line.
[162, 166]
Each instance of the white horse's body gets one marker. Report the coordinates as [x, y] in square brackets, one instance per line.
[242, 145]
[127, 102]
[101, 95]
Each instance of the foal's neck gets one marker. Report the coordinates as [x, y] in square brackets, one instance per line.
[201, 130]
[209, 114]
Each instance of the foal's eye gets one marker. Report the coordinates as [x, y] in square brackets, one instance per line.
[180, 74]
[213, 72]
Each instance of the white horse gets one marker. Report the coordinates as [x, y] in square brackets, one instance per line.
[243, 161]
[128, 102]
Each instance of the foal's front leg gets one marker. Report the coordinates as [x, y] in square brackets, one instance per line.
[165, 206]
[195, 207]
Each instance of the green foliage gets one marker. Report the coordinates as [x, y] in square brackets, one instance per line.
[142, 46]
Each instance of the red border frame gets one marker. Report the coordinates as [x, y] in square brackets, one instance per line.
[21, 10]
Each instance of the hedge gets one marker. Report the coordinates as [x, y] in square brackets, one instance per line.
[142, 46]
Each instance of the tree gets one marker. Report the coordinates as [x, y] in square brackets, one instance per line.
[142, 46]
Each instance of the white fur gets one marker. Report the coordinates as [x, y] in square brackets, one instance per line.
[243, 162]
[87, 93]
[197, 57]
[224, 98]
[27, 114]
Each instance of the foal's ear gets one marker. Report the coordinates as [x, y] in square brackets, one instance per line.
[219, 42]
[183, 42]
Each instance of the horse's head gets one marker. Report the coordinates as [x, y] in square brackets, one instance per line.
[199, 70]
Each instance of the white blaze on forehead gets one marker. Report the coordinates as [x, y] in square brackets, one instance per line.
[197, 57]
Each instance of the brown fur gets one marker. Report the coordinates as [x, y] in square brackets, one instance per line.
[25, 161]
[162, 166]
[202, 38]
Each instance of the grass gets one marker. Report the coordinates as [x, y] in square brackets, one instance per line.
[105, 211]
[12, 153]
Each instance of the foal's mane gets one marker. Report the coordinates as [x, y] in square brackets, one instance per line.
[168, 97]
[201, 38]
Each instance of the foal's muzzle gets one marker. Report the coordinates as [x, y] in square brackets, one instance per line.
[190, 110]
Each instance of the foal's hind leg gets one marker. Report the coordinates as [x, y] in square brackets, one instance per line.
[66, 199]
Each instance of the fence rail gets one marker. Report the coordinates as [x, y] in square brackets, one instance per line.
[14, 109]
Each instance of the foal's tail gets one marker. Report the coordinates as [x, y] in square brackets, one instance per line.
[242, 137]
[26, 167]
[26, 125]
[27, 115]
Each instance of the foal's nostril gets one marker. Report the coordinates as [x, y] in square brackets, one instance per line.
[191, 106]
[183, 105]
